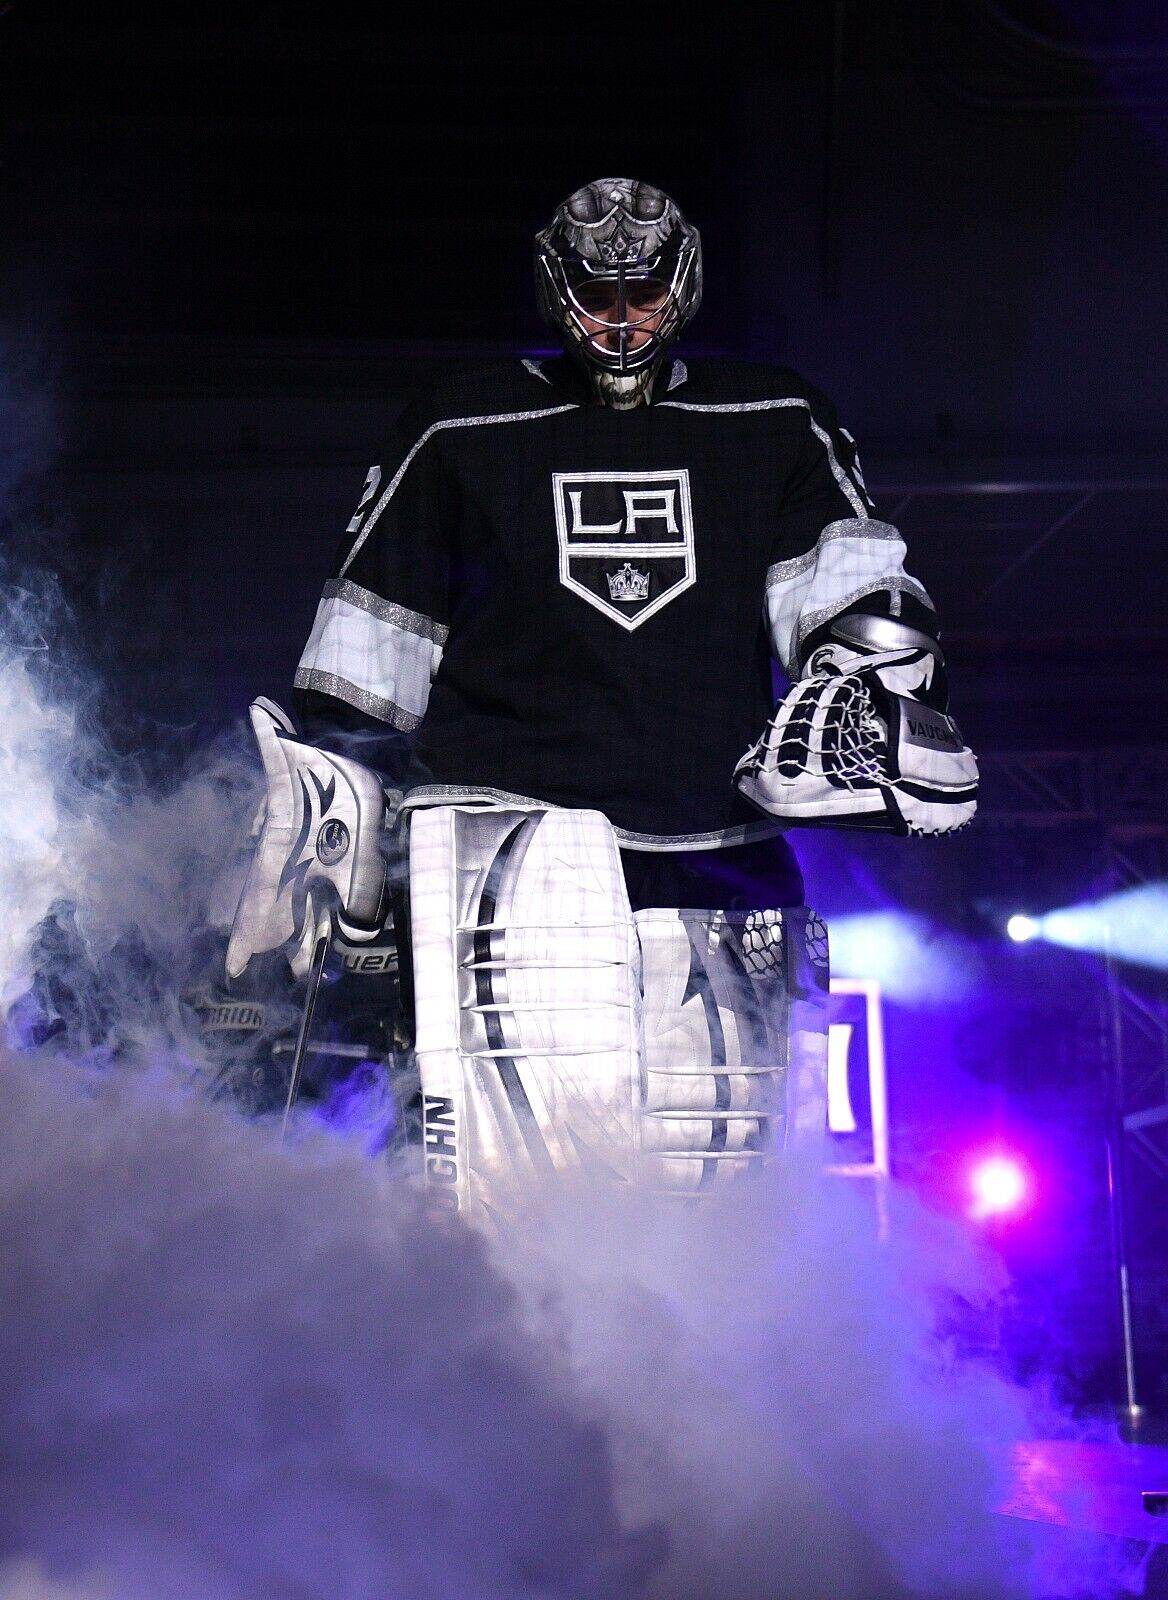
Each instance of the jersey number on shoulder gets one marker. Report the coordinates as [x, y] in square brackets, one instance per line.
[626, 540]
[372, 481]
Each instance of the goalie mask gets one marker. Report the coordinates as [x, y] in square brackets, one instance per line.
[618, 274]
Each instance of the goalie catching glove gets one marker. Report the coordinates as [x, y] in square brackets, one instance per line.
[862, 739]
[318, 865]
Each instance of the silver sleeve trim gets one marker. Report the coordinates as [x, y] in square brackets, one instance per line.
[845, 528]
[859, 528]
[784, 571]
[373, 705]
[437, 427]
[415, 622]
[440, 794]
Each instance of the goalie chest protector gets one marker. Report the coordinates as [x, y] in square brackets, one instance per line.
[566, 602]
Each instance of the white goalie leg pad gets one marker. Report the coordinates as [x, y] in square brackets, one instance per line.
[527, 1001]
[734, 1041]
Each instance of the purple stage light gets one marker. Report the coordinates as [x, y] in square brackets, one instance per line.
[1000, 1184]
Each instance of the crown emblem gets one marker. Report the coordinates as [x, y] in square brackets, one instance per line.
[619, 245]
[627, 584]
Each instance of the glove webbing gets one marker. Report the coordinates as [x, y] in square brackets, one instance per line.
[851, 742]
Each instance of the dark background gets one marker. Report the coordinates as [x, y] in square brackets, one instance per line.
[236, 236]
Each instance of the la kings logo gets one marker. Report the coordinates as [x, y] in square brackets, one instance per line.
[626, 540]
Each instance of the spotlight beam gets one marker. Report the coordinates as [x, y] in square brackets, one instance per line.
[1131, 926]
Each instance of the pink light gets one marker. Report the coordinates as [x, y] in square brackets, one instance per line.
[1000, 1184]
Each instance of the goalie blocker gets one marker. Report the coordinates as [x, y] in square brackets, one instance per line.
[318, 867]
[863, 740]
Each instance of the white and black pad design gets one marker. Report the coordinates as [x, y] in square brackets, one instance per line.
[528, 969]
[318, 858]
[846, 750]
[626, 540]
[734, 1041]
[527, 1000]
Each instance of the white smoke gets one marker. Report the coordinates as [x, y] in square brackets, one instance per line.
[233, 1370]
[32, 865]
[123, 874]
[27, 1580]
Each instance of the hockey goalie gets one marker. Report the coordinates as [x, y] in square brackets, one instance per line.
[550, 629]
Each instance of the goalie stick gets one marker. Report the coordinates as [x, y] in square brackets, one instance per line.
[315, 972]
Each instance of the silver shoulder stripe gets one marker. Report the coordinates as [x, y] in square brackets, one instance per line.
[847, 487]
[732, 407]
[438, 427]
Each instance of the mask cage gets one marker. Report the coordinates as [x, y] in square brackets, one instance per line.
[564, 281]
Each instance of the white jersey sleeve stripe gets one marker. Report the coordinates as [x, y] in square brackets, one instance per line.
[851, 559]
[360, 656]
[437, 427]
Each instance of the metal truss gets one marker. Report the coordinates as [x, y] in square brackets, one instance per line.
[1123, 792]
[1139, 855]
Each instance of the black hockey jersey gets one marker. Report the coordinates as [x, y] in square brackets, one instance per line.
[564, 603]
